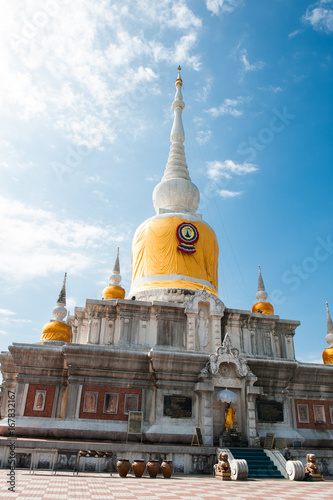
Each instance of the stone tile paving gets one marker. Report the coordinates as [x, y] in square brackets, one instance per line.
[62, 486]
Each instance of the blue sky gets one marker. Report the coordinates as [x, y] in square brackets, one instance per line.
[86, 91]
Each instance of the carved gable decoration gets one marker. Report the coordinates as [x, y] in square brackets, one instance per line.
[216, 306]
[204, 312]
[226, 353]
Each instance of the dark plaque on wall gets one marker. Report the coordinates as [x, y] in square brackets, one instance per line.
[270, 411]
[177, 406]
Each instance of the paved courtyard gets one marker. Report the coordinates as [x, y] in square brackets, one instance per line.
[44, 485]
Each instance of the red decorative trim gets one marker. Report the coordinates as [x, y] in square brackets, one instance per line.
[100, 403]
[186, 248]
[312, 424]
[29, 405]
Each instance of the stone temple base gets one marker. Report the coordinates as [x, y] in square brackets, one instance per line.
[46, 453]
[177, 295]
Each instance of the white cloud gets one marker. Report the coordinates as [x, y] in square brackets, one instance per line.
[228, 107]
[36, 242]
[90, 130]
[10, 158]
[217, 6]
[221, 174]
[183, 17]
[102, 196]
[205, 90]
[7, 320]
[7, 312]
[76, 65]
[226, 169]
[204, 136]
[71, 303]
[93, 179]
[294, 33]
[320, 16]
[153, 178]
[247, 65]
[225, 193]
[183, 49]
[272, 88]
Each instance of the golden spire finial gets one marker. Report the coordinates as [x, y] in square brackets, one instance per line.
[113, 290]
[179, 81]
[328, 352]
[262, 306]
[57, 329]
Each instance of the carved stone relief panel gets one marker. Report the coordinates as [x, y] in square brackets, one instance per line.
[109, 331]
[254, 348]
[170, 332]
[94, 328]
[143, 338]
[204, 313]
[191, 332]
[268, 344]
[202, 327]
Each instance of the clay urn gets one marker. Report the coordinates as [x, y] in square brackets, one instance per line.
[138, 467]
[153, 467]
[167, 468]
[92, 453]
[123, 466]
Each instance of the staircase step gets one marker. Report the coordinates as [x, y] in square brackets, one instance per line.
[265, 476]
[262, 465]
[259, 464]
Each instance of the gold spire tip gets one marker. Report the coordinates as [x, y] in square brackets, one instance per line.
[179, 80]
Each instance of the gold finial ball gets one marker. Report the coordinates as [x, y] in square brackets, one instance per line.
[56, 330]
[113, 292]
[263, 308]
[328, 356]
[179, 81]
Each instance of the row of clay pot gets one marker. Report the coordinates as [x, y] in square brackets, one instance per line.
[139, 466]
[96, 454]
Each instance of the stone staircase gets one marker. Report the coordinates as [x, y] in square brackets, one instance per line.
[259, 464]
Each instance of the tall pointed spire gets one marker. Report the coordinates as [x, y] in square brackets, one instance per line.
[329, 320]
[114, 291]
[116, 271]
[62, 295]
[176, 166]
[60, 312]
[262, 307]
[176, 192]
[328, 352]
[261, 292]
[57, 329]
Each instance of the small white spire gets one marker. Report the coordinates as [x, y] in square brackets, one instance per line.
[329, 320]
[115, 278]
[261, 294]
[329, 336]
[60, 312]
[176, 192]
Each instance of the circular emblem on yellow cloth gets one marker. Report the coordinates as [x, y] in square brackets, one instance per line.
[187, 235]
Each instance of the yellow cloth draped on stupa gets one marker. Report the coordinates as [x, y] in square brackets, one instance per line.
[328, 356]
[158, 263]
